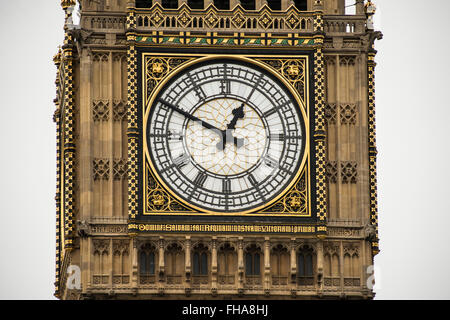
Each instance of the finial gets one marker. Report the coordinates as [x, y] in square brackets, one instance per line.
[57, 56]
[370, 7]
[67, 3]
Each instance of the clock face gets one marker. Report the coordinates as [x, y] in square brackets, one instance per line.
[225, 137]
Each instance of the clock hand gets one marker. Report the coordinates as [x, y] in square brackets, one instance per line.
[222, 133]
[238, 113]
[192, 117]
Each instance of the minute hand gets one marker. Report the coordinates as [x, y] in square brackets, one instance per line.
[192, 117]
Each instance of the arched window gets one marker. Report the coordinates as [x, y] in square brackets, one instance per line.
[170, 4]
[222, 4]
[143, 3]
[200, 260]
[305, 263]
[147, 265]
[248, 4]
[351, 267]
[253, 261]
[147, 259]
[301, 5]
[274, 4]
[331, 270]
[195, 4]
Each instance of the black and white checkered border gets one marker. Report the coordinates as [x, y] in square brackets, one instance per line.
[69, 143]
[132, 137]
[320, 148]
[372, 150]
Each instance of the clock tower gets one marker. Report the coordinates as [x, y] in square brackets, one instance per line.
[216, 149]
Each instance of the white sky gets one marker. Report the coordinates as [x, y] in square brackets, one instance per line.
[412, 121]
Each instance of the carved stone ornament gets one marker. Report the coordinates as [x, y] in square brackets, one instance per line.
[348, 114]
[331, 113]
[100, 169]
[120, 169]
[119, 110]
[331, 171]
[83, 228]
[349, 172]
[101, 246]
[370, 232]
[100, 110]
[121, 246]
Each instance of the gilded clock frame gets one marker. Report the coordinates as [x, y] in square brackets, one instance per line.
[163, 194]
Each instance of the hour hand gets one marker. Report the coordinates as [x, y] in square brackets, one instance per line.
[238, 113]
[227, 135]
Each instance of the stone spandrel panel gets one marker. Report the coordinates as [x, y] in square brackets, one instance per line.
[345, 133]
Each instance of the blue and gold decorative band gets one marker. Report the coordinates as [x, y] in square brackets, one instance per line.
[215, 39]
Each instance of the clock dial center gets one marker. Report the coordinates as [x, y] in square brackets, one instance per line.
[239, 146]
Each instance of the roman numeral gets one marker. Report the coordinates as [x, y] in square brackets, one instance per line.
[200, 179]
[277, 137]
[182, 160]
[270, 162]
[256, 85]
[226, 186]
[270, 112]
[175, 136]
[252, 180]
[197, 88]
[225, 86]
[282, 137]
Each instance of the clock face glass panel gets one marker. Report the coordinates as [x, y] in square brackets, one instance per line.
[225, 137]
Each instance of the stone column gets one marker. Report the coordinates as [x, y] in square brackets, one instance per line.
[214, 263]
[293, 261]
[134, 263]
[240, 264]
[319, 257]
[187, 257]
[266, 264]
[161, 264]
[187, 265]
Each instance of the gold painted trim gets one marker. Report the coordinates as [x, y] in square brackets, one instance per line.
[226, 228]
[242, 58]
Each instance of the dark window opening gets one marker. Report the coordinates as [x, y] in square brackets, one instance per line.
[305, 263]
[301, 5]
[252, 264]
[170, 4]
[195, 4]
[248, 4]
[143, 3]
[274, 4]
[200, 262]
[222, 4]
[147, 260]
